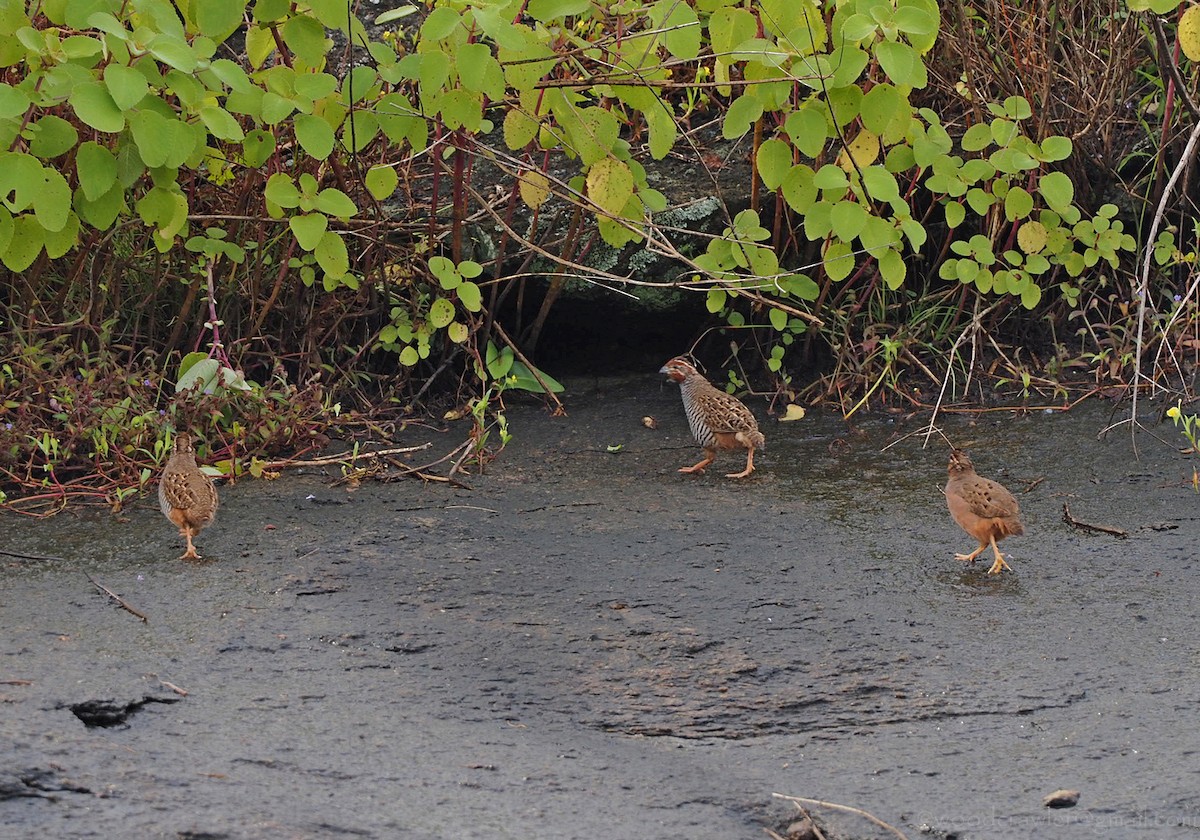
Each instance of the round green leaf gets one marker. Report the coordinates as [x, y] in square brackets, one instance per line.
[744, 111]
[95, 107]
[839, 261]
[25, 245]
[458, 332]
[1018, 204]
[381, 181]
[336, 203]
[1057, 189]
[331, 255]
[126, 86]
[848, 219]
[309, 229]
[441, 313]
[470, 296]
[314, 135]
[773, 161]
[52, 136]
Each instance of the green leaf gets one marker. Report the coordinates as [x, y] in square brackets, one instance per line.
[96, 168]
[331, 255]
[381, 181]
[305, 36]
[549, 10]
[1018, 204]
[773, 161]
[161, 141]
[808, 128]
[95, 107]
[955, 213]
[881, 185]
[1056, 148]
[334, 202]
[977, 137]
[848, 219]
[519, 129]
[471, 296]
[309, 229]
[1057, 189]
[126, 86]
[281, 191]
[173, 51]
[682, 35]
[830, 177]
[218, 19]
[714, 301]
[902, 64]
[838, 261]
[778, 319]
[441, 313]
[798, 188]
[440, 24]
[13, 102]
[314, 135]
[52, 202]
[744, 111]
[892, 268]
[52, 136]
[221, 124]
[25, 245]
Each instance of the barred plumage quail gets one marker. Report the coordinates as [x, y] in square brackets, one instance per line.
[982, 508]
[718, 420]
[186, 495]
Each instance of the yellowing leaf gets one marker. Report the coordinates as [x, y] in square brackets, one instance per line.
[863, 150]
[535, 189]
[1189, 33]
[610, 185]
[792, 412]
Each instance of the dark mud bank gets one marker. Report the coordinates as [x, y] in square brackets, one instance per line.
[587, 644]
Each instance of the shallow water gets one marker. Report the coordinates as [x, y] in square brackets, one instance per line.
[590, 644]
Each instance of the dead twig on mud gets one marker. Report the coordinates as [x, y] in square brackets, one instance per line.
[182, 692]
[350, 456]
[120, 602]
[1119, 533]
[796, 800]
[21, 556]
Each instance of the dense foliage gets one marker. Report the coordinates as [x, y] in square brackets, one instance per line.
[242, 217]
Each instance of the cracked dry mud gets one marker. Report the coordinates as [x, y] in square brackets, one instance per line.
[588, 644]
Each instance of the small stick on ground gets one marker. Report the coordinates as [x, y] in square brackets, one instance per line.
[21, 556]
[796, 800]
[121, 602]
[343, 457]
[180, 691]
[1119, 533]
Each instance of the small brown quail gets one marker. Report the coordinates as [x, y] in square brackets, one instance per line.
[718, 420]
[186, 495]
[982, 507]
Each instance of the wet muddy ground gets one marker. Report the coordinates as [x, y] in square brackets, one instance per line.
[587, 644]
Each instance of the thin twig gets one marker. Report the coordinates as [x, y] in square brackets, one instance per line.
[796, 800]
[1119, 533]
[345, 456]
[121, 602]
[21, 556]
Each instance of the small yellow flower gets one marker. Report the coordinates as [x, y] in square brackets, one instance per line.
[1174, 413]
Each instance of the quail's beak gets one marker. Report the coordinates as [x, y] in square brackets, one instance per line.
[663, 369]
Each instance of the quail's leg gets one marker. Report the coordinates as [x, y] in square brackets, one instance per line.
[970, 558]
[999, 564]
[749, 465]
[191, 553]
[709, 456]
